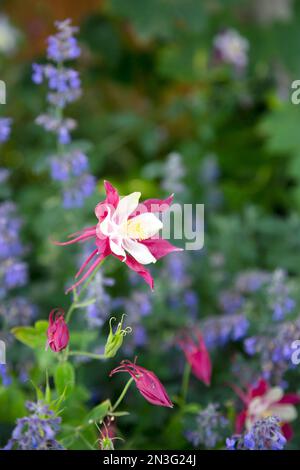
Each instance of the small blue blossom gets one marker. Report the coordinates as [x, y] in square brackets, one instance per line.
[208, 428]
[248, 282]
[98, 312]
[231, 302]
[63, 45]
[219, 330]
[280, 300]
[5, 376]
[265, 434]
[274, 349]
[15, 274]
[18, 311]
[37, 431]
[10, 225]
[71, 169]
[5, 129]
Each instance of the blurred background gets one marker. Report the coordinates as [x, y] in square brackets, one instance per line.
[184, 96]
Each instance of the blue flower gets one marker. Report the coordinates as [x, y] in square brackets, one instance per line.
[265, 434]
[71, 169]
[5, 129]
[63, 45]
[5, 376]
[37, 431]
[209, 427]
[219, 330]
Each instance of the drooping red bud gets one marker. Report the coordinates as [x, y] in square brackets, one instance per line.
[147, 383]
[197, 356]
[58, 331]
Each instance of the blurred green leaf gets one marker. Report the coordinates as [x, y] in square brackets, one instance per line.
[64, 378]
[32, 336]
[98, 413]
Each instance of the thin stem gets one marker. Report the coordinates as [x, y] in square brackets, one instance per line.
[77, 298]
[115, 406]
[85, 441]
[87, 354]
[70, 311]
[185, 382]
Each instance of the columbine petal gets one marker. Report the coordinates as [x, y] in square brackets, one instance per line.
[112, 196]
[259, 389]
[258, 406]
[106, 227]
[126, 206]
[240, 421]
[160, 247]
[290, 398]
[287, 431]
[139, 252]
[273, 395]
[153, 205]
[140, 270]
[116, 247]
[286, 413]
[112, 200]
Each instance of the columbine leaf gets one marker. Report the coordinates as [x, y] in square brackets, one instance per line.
[32, 336]
[64, 378]
[99, 412]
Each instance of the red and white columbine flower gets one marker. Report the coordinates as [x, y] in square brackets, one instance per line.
[127, 230]
[262, 401]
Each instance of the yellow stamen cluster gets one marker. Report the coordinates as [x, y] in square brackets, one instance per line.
[134, 229]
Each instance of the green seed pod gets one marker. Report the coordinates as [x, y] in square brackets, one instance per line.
[115, 339]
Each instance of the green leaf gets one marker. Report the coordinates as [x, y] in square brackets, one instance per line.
[48, 390]
[64, 378]
[99, 412]
[32, 336]
[161, 18]
[11, 404]
[38, 391]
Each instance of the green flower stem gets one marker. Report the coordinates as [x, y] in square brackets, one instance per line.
[115, 406]
[87, 354]
[77, 298]
[89, 446]
[185, 382]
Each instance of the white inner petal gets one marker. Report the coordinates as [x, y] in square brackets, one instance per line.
[285, 412]
[116, 247]
[107, 227]
[126, 206]
[257, 406]
[139, 251]
[273, 395]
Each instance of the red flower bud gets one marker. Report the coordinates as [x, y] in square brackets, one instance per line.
[147, 383]
[58, 332]
[197, 356]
